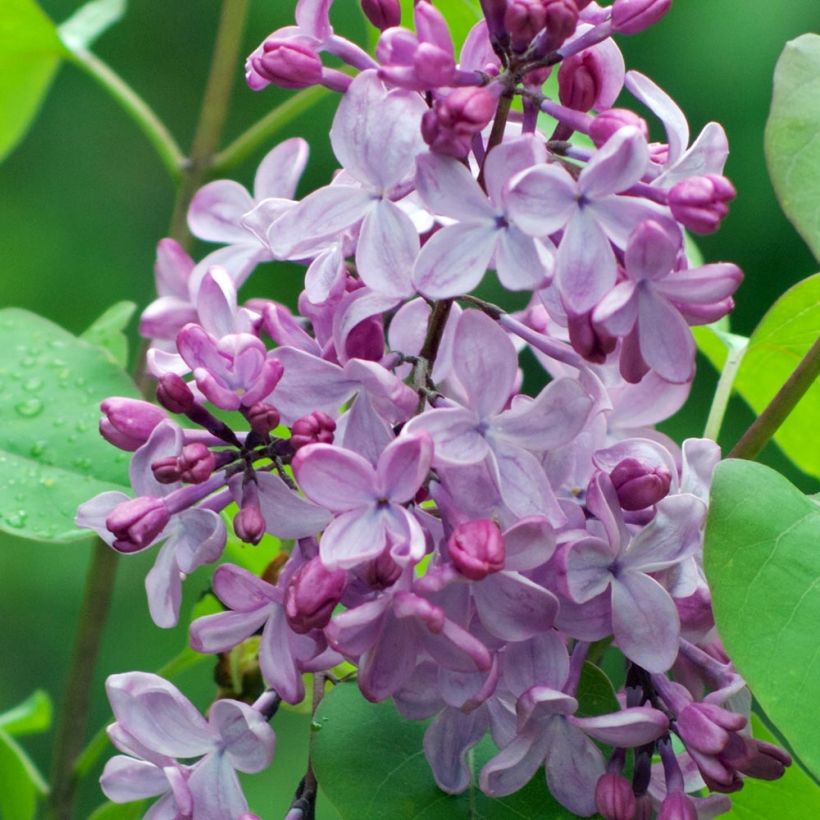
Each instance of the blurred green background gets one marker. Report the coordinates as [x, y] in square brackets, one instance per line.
[83, 201]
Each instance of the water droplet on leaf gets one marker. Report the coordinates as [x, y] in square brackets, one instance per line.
[29, 408]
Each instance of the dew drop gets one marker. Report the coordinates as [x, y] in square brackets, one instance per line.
[17, 519]
[47, 482]
[38, 448]
[28, 361]
[33, 384]
[29, 408]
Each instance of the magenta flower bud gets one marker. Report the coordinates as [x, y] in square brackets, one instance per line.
[677, 806]
[756, 758]
[707, 728]
[263, 418]
[580, 80]
[699, 203]
[449, 127]
[196, 463]
[614, 798]
[632, 16]
[612, 120]
[174, 394]
[476, 548]
[638, 485]
[137, 523]
[291, 63]
[561, 20]
[312, 594]
[166, 470]
[249, 525]
[524, 19]
[129, 422]
[382, 13]
[315, 428]
[382, 572]
[366, 340]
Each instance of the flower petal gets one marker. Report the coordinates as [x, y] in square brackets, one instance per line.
[279, 172]
[335, 478]
[387, 249]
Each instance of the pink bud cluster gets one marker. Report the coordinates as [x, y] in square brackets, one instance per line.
[462, 543]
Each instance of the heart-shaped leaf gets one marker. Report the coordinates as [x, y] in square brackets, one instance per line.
[763, 564]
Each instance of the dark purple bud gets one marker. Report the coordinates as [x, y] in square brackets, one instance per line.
[382, 13]
[263, 418]
[316, 428]
[633, 16]
[382, 572]
[366, 340]
[166, 470]
[590, 340]
[561, 20]
[290, 63]
[524, 19]
[756, 758]
[249, 523]
[580, 80]
[643, 808]
[449, 127]
[639, 485]
[128, 423]
[174, 394]
[677, 806]
[476, 548]
[614, 798]
[706, 727]
[612, 120]
[136, 523]
[312, 595]
[700, 203]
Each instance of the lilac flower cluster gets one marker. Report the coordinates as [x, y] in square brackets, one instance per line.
[461, 543]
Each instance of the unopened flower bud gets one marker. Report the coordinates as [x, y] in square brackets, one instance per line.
[756, 758]
[614, 798]
[580, 79]
[561, 21]
[312, 595]
[382, 13]
[524, 19]
[639, 485]
[700, 203]
[196, 463]
[128, 423]
[382, 572]
[174, 394]
[249, 523]
[449, 127]
[263, 418]
[288, 63]
[476, 549]
[366, 340]
[137, 523]
[677, 806]
[315, 428]
[613, 119]
[633, 16]
[706, 727]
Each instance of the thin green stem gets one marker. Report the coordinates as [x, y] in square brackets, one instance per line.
[778, 409]
[260, 133]
[213, 112]
[723, 392]
[99, 587]
[143, 115]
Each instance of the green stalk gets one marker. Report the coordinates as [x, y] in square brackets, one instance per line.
[723, 391]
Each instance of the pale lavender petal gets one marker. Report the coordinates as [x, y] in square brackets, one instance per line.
[454, 260]
[403, 466]
[325, 275]
[707, 155]
[701, 286]
[93, 513]
[241, 590]
[514, 766]
[645, 621]
[334, 478]
[279, 172]
[542, 661]
[551, 420]
[529, 543]
[665, 108]
[363, 430]
[618, 310]
[216, 210]
[158, 715]
[483, 355]
[387, 249]
[384, 388]
[573, 766]
[249, 740]
[166, 439]
[287, 514]
[509, 158]
[354, 631]
[666, 341]
[446, 743]
[163, 318]
[313, 18]
[198, 538]
[390, 662]
[239, 260]
[223, 631]
[448, 188]
[172, 269]
[406, 537]
[216, 303]
[276, 660]
[700, 457]
[542, 200]
[352, 538]
[618, 216]
[216, 790]
[512, 607]
[524, 486]
[651, 252]
[628, 727]
[455, 435]
[588, 563]
[163, 585]
[125, 779]
[585, 265]
[455, 648]
[353, 309]
[616, 166]
[522, 263]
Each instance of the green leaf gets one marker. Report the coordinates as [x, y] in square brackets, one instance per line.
[22, 784]
[119, 811]
[794, 797]
[595, 694]
[776, 347]
[31, 716]
[107, 331]
[52, 457]
[90, 21]
[763, 566]
[792, 146]
[30, 51]
[371, 764]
